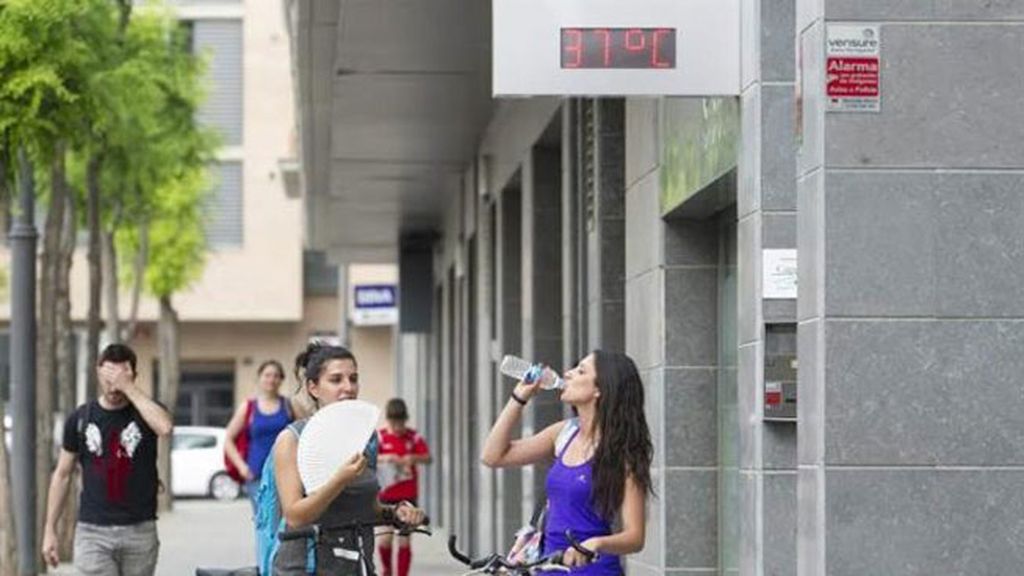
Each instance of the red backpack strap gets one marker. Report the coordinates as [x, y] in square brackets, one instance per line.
[250, 410]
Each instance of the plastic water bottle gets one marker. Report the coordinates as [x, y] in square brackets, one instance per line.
[517, 368]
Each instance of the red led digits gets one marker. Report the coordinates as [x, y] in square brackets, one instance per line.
[635, 40]
[572, 48]
[623, 48]
[606, 39]
[655, 62]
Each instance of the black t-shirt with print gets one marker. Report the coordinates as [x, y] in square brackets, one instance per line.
[117, 451]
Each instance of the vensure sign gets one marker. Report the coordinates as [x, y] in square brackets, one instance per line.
[852, 73]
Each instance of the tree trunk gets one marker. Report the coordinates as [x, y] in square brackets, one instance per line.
[170, 375]
[95, 272]
[112, 327]
[8, 538]
[46, 337]
[124, 8]
[66, 382]
[67, 390]
[138, 278]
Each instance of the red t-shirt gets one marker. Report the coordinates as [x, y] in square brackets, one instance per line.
[399, 482]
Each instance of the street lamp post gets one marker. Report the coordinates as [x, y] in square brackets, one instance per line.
[23, 367]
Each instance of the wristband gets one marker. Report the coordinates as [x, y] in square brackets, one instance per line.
[518, 400]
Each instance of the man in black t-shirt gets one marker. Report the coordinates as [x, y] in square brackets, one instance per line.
[114, 440]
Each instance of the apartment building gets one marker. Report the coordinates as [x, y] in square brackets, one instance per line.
[262, 295]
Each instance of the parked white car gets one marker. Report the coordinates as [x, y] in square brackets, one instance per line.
[197, 458]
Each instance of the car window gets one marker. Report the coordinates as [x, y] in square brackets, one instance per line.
[193, 441]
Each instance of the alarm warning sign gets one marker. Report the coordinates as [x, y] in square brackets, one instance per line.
[852, 68]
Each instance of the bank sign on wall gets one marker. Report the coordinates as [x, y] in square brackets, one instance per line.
[374, 305]
[616, 47]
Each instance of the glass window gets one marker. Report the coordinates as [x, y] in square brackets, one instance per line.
[225, 207]
[220, 41]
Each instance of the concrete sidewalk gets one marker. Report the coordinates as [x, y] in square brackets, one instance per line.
[210, 534]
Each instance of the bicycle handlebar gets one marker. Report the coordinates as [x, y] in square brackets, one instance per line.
[590, 555]
[315, 530]
[492, 563]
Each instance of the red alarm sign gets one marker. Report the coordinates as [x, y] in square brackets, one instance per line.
[637, 48]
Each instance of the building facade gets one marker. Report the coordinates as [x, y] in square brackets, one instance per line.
[857, 421]
[262, 295]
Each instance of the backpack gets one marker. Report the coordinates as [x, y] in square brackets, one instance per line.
[81, 424]
[268, 510]
[241, 443]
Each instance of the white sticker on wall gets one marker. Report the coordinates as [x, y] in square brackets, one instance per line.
[779, 274]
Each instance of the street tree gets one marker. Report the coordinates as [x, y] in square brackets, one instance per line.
[164, 248]
[46, 58]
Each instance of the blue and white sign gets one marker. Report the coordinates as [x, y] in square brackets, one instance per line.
[374, 305]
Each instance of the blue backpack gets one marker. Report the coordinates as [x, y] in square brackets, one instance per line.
[268, 510]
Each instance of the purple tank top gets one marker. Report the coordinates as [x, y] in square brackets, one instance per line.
[570, 508]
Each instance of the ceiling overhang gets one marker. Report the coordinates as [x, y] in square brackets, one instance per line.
[393, 97]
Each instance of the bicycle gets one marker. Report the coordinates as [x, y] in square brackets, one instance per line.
[498, 564]
[330, 534]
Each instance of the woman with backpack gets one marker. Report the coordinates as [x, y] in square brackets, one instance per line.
[255, 425]
[330, 375]
[600, 475]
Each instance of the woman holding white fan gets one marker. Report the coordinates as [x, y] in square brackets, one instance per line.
[349, 495]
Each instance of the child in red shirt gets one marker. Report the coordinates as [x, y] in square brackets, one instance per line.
[401, 450]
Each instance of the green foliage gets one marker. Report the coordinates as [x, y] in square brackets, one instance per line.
[152, 99]
[160, 186]
[122, 89]
[176, 236]
[49, 49]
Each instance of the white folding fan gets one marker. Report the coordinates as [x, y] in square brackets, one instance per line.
[331, 437]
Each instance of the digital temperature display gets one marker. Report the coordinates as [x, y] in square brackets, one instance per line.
[636, 48]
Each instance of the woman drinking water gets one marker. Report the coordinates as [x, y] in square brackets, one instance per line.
[600, 477]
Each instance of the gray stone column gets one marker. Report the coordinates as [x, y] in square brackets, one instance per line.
[571, 253]
[766, 213]
[911, 266]
[449, 454]
[605, 225]
[541, 283]
[508, 481]
[487, 395]
[644, 287]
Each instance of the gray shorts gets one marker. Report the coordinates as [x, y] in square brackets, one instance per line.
[116, 550]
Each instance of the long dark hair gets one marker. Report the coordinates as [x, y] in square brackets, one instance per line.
[625, 445]
[310, 363]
